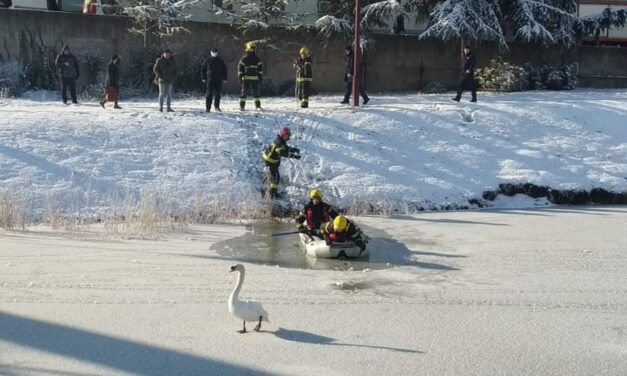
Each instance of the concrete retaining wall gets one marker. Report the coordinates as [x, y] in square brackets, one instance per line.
[399, 63]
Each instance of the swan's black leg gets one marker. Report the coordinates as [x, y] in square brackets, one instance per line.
[258, 326]
[243, 330]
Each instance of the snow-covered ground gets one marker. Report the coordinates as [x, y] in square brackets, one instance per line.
[401, 152]
[517, 292]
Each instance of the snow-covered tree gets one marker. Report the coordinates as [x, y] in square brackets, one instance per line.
[545, 22]
[338, 23]
[382, 13]
[258, 15]
[158, 17]
[469, 19]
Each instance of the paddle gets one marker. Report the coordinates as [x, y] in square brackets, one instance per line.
[286, 233]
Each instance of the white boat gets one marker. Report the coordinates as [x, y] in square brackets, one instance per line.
[317, 247]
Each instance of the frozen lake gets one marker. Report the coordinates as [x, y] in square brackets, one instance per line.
[540, 291]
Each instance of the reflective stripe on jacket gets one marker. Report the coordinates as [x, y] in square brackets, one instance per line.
[250, 68]
[276, 150]
[304, 72]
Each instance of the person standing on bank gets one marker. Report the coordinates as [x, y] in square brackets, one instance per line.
[467, 78]
[304, 77]
[165, 72]
[214, 75]
[250, 73]
[112, 85]
[67, 65]
[349, 67]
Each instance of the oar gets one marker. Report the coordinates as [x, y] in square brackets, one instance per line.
[286, 233]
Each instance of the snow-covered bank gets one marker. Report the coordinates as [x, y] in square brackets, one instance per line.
[399, 153]
[517, 292]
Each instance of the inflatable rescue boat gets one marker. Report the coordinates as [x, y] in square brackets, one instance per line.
[317, 247]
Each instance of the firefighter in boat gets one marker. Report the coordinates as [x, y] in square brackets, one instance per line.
[314, 214]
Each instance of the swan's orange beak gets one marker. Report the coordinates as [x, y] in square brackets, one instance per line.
[233, 268]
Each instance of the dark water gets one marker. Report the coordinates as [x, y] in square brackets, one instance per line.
[259, 247]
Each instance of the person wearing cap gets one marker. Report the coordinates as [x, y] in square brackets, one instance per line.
[165, 72]
[341, 229]
[112, 85]
[315, 213]
[349, 67]
[304, 76]
[214, 74]
[467, 77]
[250, 73]
[67, 65]
[272, 158]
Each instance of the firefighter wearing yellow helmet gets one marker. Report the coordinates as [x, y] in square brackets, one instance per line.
[315, 213]
[250, 73]
[304, 77]
[341, 229]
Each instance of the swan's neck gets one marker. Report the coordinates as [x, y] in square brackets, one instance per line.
[238, 287]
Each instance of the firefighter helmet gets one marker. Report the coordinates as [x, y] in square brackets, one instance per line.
[250, 46]
[285, 131]
[315, 193]
[340, 223]
[304, 52]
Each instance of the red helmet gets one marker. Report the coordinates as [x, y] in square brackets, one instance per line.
[285, 131]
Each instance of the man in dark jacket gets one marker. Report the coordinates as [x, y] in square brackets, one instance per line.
[112, 85]
[250, 73]
[67, 65]
[304, 76]
[315, 213]
[349, 67]
[214, 74]
[272, 159]
[165, 72]
[467, 78]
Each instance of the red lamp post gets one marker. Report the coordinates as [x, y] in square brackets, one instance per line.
[357, 54]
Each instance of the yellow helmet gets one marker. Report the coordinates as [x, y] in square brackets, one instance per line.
[304, 51]
[340, 223]
[250, 46]
[315, 193]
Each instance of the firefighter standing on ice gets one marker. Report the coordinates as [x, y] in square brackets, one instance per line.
[250, 73]
[315, 213]
[272, 158]
[304, 77]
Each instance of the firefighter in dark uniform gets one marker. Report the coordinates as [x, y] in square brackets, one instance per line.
[272, 158]
[250, 72]
[467, 78]
[343, 230]
[304, 76]
[315, 213]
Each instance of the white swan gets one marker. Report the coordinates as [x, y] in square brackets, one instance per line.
[245, 310]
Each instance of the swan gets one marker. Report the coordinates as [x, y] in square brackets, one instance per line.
[245, 310]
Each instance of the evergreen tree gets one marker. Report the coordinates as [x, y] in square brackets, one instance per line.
[259, 15]
[594, 25]
[338, 23]
[157, 17]
[545, 22]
